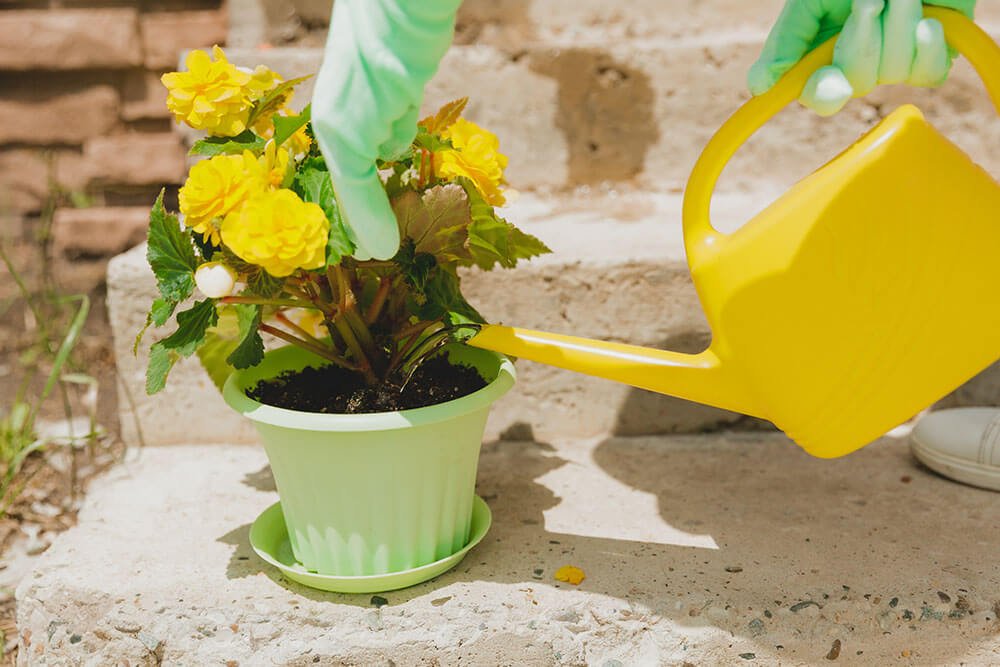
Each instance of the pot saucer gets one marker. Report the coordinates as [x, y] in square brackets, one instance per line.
[269, 538]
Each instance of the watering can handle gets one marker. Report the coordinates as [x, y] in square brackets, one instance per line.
[970, 40]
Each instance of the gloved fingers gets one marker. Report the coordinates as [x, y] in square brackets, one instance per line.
[403, 130]
[932, 62]
[859, 47]
[827, 91]
[791, 38]
[365, 208]
[899, 40]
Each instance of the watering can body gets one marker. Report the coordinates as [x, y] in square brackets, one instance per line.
[865, 293]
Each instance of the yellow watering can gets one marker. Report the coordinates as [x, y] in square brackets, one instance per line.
[868, 291]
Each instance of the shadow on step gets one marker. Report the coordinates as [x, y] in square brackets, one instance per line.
[782, 552]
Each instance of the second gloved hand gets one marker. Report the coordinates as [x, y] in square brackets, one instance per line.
[881, 42]
[379, 56]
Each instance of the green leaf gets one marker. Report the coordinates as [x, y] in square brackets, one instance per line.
[444, 299]
[245, 141]
[234, 342]
[250, 350]
[274, 100]
[161, 360]
[191, 327]
[493, 240]
[437, 222]
[416, 267]
[161, 311]
[286, 126]
[432, 142]
[338, 244]
[262, 283]
[170, 254]
[158, 315]
[219, 343]
[312, 183]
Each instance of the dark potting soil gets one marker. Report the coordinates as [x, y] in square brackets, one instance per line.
[334, 390]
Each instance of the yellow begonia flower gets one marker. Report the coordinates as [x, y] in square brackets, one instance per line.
[476, 156]
[262, 81]
[279, 232]
[210, 96]
[274, 164]
[217, 187]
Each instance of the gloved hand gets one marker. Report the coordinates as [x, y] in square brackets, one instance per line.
[881, 41]
[379, 56]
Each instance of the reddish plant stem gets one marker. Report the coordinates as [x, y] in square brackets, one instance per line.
[284, 319]
[380, 296]
[280, 303]
[315, 349]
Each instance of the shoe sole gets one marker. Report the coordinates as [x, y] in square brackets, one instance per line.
[960, 470]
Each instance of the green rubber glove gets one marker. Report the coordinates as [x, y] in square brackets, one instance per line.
[379, 56]
[881, 41]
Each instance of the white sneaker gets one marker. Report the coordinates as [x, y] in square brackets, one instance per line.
[962, 444]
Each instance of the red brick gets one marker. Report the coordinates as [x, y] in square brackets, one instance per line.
[67, 39]
[42, 116]
[98, 232]
[144, 96]
[135, 159]
[166, 34]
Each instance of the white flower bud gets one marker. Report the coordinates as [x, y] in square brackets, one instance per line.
[215, 280]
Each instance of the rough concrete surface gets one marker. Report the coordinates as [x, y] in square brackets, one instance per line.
[716, 550]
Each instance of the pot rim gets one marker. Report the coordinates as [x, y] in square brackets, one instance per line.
[235, 396]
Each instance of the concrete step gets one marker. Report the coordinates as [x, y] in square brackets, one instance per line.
[641, 112]
[717, 550]
[617, 273]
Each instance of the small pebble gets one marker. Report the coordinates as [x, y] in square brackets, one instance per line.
[905, 653]
[75, 639]
[893, 602]
[905, 479]
[834, 650]
[799, 606]
[379, 601]
[127, 627]
[734, 569]
[944, 597]
[756, 627]
[768, 614]
[748, 656]
[440, 601]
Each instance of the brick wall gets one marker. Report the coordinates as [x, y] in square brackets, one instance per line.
[83, 126]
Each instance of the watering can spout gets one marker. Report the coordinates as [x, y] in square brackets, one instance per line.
[694, 377]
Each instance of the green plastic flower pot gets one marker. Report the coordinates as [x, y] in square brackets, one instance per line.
[373, 494]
